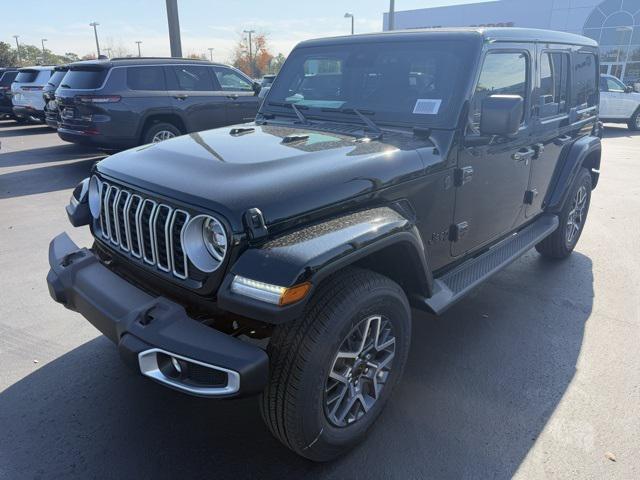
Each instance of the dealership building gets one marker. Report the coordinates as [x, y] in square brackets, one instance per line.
[615, 24]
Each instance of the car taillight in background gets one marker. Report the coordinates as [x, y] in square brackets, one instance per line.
[98, 98]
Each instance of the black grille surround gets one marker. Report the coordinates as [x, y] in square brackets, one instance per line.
[144, 229]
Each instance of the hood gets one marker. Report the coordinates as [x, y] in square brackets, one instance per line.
[284, 171]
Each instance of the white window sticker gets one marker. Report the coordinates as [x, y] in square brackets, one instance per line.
[427, 106]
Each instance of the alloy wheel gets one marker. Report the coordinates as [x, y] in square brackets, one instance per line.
[360, 370]
[576, 215]
[162, 135]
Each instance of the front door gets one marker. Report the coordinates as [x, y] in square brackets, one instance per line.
[244, 102]
[491, 202]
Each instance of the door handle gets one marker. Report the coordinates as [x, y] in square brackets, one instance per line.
[524, 154]
[232, 96]
[563, 140]
[181, 97]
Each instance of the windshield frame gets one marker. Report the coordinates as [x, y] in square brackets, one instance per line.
[470, 45]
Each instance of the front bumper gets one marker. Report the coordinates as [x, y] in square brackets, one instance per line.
[144, 326]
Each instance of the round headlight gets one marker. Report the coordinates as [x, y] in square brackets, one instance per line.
[95, 186]
[205, 242]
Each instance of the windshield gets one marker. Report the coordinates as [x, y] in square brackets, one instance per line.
[56, 78]
[406, 83]
[84, 79]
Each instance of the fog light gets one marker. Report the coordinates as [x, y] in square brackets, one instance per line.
[176, 364]
[269, 293]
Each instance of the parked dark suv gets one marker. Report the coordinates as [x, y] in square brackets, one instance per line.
[383, 172]
[121, 103]
[7, 76]
[51, 111]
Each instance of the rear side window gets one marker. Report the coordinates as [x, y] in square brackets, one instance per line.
[193, 78]
[232, 81]
[554, 83]
[84, 79]
[585, 80]
[503, 73]
[146, 78]
[26, 76]
[8, 78]
[56, 78]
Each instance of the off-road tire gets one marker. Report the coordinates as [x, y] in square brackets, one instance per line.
[153, 129]
[557, 245]
[302, 353]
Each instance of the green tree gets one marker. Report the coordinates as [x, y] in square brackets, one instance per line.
[276, 63]
[7, 55]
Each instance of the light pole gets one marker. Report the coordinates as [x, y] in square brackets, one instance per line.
[43, 54]
[108, 50]
[210, 53]
[139, 52]
[250, 32]
[350, 15]
[392, 14]
[95, 32]
[18, 48]
[174, 28]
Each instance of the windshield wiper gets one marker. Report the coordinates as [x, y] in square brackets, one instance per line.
[366, 120]
[295, 109]
[64, 85]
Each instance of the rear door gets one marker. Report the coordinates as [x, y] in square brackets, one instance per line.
[195, 96]
[551, 129]
[244, 102]
[491, 202]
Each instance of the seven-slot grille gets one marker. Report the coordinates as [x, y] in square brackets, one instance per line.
[147, 230]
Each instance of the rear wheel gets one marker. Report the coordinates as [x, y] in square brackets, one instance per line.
[159, 132]
[573, 216]
[333, 370]
[634, 121]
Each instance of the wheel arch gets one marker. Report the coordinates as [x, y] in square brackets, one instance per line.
[155, 118]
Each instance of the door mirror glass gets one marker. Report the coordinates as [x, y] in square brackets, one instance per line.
[501, 115]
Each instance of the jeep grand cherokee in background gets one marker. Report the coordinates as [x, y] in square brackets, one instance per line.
[619, 103]
[51, 112]
[125, 102]
[383, 172]
[26, 92]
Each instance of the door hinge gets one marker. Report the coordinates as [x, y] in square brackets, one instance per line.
[254, 224]
[458, 231]
[530, 195]
[462, 176]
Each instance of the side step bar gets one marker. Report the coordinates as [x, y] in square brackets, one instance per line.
[455, 284]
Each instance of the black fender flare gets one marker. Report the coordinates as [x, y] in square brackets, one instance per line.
[313, 253]
[585, 151]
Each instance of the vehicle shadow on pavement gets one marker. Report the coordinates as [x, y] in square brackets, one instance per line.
[481, 383]
[57, 153]
[16, 130]
[45, 179]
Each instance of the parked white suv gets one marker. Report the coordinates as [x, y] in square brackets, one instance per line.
[619, 103]
[26, 92]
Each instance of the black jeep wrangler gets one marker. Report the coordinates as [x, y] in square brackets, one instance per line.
[283, 257]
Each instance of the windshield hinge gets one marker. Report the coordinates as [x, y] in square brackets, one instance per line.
[254, 224]
[458, 231]
[462, 175]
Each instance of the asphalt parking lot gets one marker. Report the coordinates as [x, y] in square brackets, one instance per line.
[535, 375]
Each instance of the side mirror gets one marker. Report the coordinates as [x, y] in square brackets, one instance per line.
[628, 89]
[256, 87]
[501, 115]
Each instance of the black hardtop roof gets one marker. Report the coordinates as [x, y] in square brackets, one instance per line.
[497, 34]
[136, 61]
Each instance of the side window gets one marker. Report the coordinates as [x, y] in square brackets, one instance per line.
[554, 83]
[584, 80]
[503, 73]
[193, 78]
[145, 78]
[232, 81]
[614, 85]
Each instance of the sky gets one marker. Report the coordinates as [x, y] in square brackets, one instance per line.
[204, 24]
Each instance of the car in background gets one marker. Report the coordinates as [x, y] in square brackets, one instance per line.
[619, 103]
[26, 92]
[7, 75]
[124, 102]
[51, 113]
[265, 86]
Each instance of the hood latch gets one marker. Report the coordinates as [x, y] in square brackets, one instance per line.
[254, 224]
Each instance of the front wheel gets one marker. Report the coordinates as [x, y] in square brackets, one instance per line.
[573, 216]
[333, 370]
